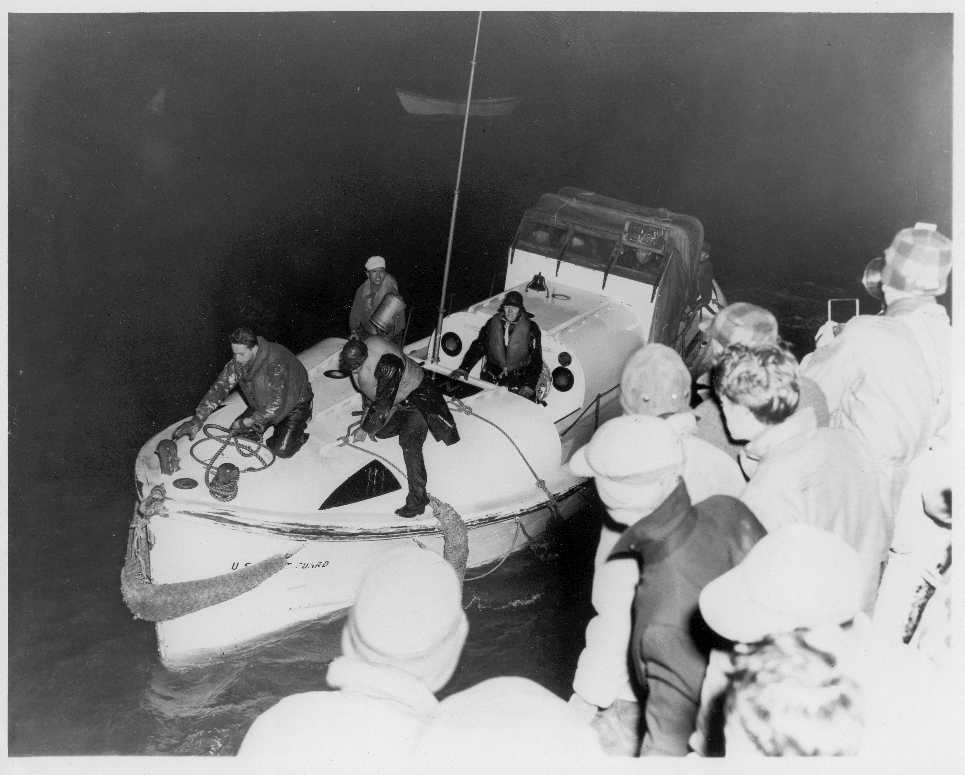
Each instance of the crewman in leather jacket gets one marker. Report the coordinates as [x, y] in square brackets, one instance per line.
[275, 386]
[511, 342]
[398, 401]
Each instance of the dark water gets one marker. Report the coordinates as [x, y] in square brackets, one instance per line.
[172, 176]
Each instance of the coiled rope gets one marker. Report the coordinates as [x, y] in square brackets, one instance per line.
[221, 481]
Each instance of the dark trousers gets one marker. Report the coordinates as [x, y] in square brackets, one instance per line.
[289, 435]
[410, 426]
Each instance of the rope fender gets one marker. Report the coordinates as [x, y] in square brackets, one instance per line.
[160, 602]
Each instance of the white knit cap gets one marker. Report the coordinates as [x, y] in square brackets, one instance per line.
[408, 614]
[375, 262]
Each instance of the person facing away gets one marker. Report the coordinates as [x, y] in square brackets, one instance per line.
[745, 324]
[398, 400]
[275, 386]
[801, 473]
[401, 644]
[369, 295]
[800, 582]
[511, 343]
[680, 547]
[655, 382]
[795, 694]
[797, 576]
[887, 376]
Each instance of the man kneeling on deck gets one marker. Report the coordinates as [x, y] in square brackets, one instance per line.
[275, 386]
[398, 401]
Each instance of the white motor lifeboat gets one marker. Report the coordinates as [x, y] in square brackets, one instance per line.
[328, 512]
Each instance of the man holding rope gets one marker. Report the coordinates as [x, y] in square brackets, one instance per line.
[398, 401]
[274, 384]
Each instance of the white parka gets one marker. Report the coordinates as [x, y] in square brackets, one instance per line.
[887, 378]
[369, 725]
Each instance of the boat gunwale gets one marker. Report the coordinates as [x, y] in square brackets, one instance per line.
[306, 531]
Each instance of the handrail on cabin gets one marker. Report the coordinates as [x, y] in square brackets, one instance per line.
[595, 405]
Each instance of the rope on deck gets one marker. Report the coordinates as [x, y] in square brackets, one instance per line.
[459, 406]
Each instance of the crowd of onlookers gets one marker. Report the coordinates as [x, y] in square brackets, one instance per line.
[772, 575]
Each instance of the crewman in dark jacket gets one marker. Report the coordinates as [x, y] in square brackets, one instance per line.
[275, 386]
[510, 340]
[398, 401]
[636, 461]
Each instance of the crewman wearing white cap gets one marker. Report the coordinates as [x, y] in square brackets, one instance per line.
[370, 296]
[655, 382]
[636, 462]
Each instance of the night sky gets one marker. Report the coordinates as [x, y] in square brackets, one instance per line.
[171, 175]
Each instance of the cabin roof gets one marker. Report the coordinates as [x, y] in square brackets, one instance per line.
[578, 207]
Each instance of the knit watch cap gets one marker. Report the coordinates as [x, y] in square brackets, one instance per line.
[743, 323]
[513, 299]
[918, 261]
[408, 614]
[796, 576]
[375, 262]
[655, 381]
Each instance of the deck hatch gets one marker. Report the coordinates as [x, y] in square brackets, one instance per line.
[370, 481]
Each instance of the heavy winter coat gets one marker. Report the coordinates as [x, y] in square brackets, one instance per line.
[601, 671]
[886, 377]
[681, 548]
[369, 725]
[822, 477]
[273, 383]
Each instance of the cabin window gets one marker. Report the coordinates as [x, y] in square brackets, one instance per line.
[541, 238]
[640, 263]
[369, 482]
[589, 250]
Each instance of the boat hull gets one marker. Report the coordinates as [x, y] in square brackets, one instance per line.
[319, 580]
[424, 105]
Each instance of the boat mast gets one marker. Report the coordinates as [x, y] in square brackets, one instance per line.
[455, 199]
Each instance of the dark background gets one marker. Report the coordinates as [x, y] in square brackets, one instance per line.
[142, 230]
[281, 159]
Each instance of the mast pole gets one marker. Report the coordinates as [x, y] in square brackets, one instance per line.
[455, 199]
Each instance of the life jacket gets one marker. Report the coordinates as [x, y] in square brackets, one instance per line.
[365, 378]
[516, 355]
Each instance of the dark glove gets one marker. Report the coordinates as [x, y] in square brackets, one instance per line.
[188, 428]
[459, 374]
[238, 427]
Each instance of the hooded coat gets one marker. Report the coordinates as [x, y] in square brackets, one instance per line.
[370, 724]
[886, 377]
